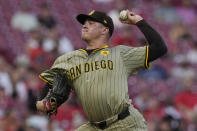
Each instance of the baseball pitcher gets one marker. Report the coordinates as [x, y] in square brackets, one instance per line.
[98, 74]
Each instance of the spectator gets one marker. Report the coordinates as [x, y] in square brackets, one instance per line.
[183, 71]
[18, 79]
[168, 123]
[45, 17]
[142, 100]
[34, 41]
[193, 126]
[5, 103]
[155, 73]
[10, 122]
[55, 42]
[186, 12]
[171, 110]
[35, 51]
[154, 113]
[173, 116]
[163, 125]
[24, 20]
[5, 80]
[36, 123]
[65, 45]
[176, 32]
[192, 54]
[50, 41]
[166, 13]
[127, 37]
[33, 85]
[186, 100]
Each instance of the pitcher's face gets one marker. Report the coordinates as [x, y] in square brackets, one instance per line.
[91, 30]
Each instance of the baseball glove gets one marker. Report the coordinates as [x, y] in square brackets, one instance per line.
[58, 94]
[44, 91]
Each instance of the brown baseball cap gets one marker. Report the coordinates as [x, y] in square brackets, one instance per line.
[98, 16]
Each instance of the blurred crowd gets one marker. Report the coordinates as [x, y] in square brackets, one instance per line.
[166, 94]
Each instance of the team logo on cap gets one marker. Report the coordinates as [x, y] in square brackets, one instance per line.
[105, 53]
[105, 21]
[92, 12]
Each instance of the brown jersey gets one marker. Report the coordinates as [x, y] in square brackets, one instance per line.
[100, 79]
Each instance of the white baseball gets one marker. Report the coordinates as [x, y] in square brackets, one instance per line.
[123, 15]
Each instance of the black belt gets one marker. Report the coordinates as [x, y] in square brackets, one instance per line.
[121, 116]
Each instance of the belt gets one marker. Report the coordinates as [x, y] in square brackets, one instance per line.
[121, 116]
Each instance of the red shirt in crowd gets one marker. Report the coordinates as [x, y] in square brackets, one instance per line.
[186, 98]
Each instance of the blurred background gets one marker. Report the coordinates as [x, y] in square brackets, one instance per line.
[33, 33]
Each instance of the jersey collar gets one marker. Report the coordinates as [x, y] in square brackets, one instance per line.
[95, 50]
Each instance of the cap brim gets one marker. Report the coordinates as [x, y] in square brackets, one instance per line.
[82, 18]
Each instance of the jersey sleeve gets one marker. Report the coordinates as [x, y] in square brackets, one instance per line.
[134, 58]
[58, 66]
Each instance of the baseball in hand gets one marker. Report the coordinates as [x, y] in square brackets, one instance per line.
[123, 15]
